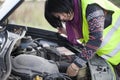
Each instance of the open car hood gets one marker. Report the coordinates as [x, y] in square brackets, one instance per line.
[7, 8]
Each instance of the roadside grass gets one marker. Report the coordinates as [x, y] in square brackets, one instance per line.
[30, 13]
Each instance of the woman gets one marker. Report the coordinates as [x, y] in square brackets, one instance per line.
[93, 23]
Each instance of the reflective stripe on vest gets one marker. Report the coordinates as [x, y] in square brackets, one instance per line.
[110, 47]
[110, 33]
[114, 52]
[108, 37]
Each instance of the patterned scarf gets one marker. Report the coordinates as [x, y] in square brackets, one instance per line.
[76, 23]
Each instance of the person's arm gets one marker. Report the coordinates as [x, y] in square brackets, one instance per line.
[96, 19]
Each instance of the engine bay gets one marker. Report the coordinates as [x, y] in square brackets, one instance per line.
[39, 56]
[30, 53]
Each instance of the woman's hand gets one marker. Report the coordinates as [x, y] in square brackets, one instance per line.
[73, 70]
[61, 31]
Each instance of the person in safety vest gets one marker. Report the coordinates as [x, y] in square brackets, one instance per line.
[95, 23]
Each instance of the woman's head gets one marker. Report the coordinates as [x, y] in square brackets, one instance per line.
[64, 16]
[58, 10]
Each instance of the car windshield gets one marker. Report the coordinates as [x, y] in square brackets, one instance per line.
[31, 13]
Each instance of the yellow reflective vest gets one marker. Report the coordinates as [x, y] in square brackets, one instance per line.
[110, 47]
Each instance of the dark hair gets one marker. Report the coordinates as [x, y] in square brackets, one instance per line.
[57, 6]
